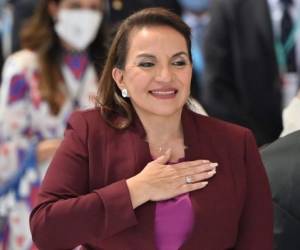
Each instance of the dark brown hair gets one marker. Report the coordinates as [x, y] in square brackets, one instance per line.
[39, 36]
[109, 97]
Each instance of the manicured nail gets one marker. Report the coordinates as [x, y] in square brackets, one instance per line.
[204, 183]
[213, 165]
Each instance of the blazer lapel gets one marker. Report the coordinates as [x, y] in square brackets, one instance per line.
[145, 213]
[199, 146]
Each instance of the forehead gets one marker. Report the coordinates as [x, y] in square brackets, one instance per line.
[156, 39]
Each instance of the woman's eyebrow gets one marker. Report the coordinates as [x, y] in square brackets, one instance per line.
[146, 55]
[180, 54]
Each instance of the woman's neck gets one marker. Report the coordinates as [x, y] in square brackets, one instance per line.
[67, 48]
[162, 129]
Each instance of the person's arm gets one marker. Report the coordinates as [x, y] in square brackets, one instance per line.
[15, 136]
[256, 221]
[17, 114]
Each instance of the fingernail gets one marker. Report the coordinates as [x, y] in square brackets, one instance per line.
[204, 183]
[211, 173]
[213, 165]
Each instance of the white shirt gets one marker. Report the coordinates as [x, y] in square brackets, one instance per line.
[291, 117]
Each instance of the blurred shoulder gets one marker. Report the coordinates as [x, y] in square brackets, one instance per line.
[21, 62]
[23, 58]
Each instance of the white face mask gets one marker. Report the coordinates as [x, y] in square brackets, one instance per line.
[78, 27]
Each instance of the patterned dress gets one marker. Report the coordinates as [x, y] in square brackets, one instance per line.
[25, 120]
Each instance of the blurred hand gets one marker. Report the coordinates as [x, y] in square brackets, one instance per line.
[298, 94]
[46, 149]
[160, 181]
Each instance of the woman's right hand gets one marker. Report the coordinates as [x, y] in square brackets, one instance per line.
[161, 181]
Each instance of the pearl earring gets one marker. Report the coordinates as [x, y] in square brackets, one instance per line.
[124, 93]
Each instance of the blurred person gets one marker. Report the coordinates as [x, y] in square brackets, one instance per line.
[143, 171]
[291, 116]
[196, 15]
[22, 11]
[285, 17]
[5, 19]
[13, 14]
[282, 160]
[241, 77]
[55, 73]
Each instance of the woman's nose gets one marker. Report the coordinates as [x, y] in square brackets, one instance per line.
[164, 74]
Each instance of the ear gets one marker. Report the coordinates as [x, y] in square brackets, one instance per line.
[117, 75]
[53, 10]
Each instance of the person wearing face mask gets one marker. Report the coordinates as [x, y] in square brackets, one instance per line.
[196, 15]
[55, 73]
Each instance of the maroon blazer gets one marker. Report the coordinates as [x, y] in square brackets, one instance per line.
[84, 199]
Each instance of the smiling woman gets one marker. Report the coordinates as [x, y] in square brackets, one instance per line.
[158, 71]
[143, 171]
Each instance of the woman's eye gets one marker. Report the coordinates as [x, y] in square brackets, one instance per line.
[179, 63]
[146, 64]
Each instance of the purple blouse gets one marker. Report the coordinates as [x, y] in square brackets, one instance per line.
[174, 220]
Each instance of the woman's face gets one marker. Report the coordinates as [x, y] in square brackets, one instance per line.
[82, 4]
[157, 71]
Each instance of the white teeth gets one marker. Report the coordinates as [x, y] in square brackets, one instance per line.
[159, 92]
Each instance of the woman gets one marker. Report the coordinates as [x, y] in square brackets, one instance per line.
[54, 74]
[141, 170]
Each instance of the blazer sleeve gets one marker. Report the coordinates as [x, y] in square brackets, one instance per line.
[68, 214]
[256, 222]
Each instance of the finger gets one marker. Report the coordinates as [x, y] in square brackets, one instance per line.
[198, 177]
[197, 169]
[163, 159]
[192, 187]
[189, 164]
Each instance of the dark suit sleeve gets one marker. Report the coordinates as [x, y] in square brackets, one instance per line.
[220, 90]
[256, 222]
[68, 214]
[282, 161]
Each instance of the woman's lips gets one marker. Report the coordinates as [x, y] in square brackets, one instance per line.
[163, 93]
